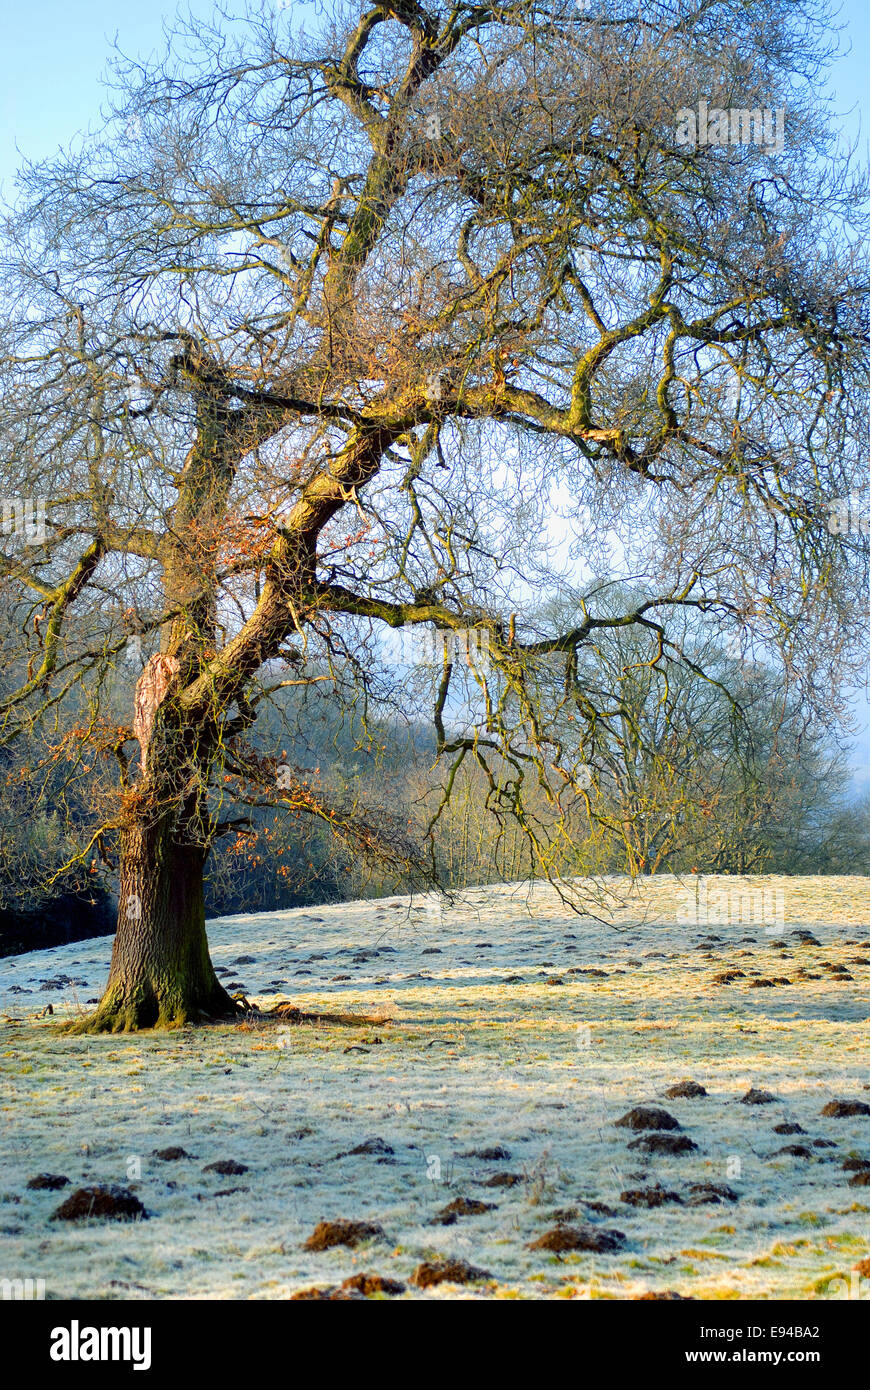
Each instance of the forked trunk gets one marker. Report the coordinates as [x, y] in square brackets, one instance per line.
[161, 974]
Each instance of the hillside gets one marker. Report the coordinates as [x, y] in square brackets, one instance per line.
[509, 1027]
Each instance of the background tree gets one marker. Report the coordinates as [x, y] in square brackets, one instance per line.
[325, 333]
[720, 770]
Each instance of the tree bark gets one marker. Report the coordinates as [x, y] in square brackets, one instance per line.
[161, 974]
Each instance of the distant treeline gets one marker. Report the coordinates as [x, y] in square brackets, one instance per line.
[776, 801]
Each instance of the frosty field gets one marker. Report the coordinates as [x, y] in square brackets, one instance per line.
[505, 1022]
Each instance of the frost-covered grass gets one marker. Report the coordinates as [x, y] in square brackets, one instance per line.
[542, 1064]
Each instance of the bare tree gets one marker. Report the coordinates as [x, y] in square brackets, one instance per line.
[716, 770]
[403, 324]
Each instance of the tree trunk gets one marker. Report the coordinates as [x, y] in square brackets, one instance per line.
[161, 974]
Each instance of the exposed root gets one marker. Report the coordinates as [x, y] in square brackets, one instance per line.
[126, 1015]
[290, 1014]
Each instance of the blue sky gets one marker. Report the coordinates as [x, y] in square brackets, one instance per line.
[54, 52]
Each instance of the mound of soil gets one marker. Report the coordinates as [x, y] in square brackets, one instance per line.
[649, 1197]
[432, 1272]
[107, 1203]
[647, 1117]
[327, 1234]
[758, 1097]
[664, 1144]
[373, 1283]
[702, 1192]
[370, 1146]
[47, 1182]
[227, 1167]
[563, 1237]
[461, 1206]
[843, 1109]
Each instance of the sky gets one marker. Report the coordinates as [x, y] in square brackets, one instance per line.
[54, 53]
